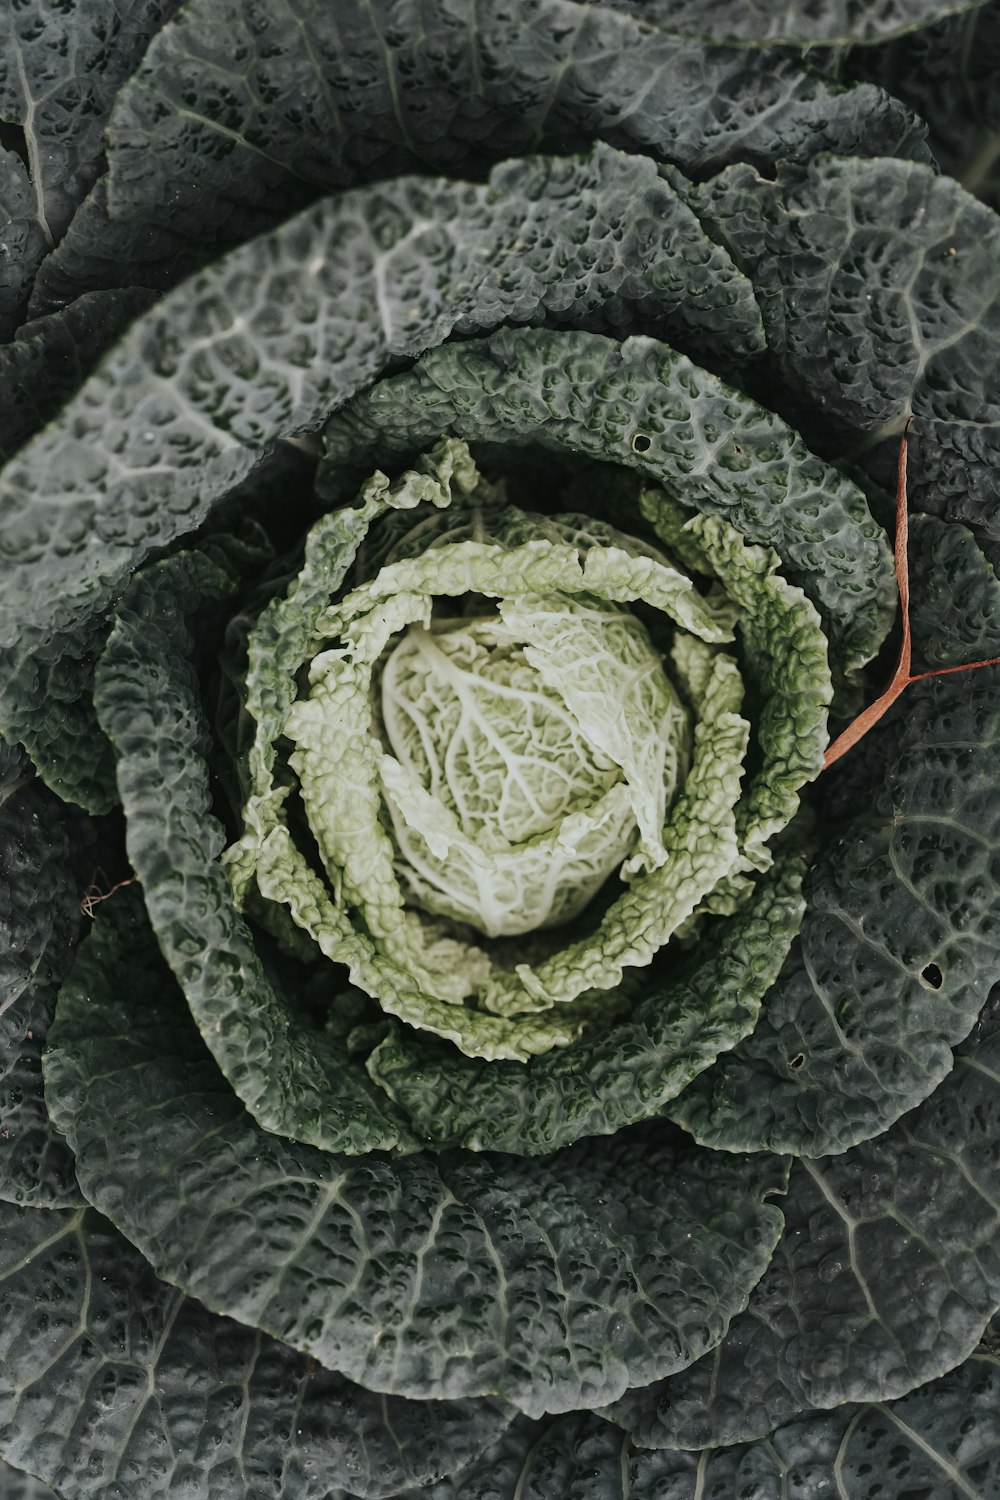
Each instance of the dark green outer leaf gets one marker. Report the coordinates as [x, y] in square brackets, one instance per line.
[39, 916]
[23, 237]
[113, 1383]
[46, 704]
[948, 74]
[15, 1485]
[879, 290]
[452, 84]
[886, 1276]
[249, 114]
[96, 254]
[271, 338]
[802, 23]
[955, 610]
[642, 405]
[901, 938]
[940, 1443]
[15, 770]
[603, 1082]
[558, 1281]
[147, 701]
[50, 357]
[60, 68]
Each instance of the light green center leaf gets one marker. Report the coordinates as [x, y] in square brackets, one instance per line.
[531, 749]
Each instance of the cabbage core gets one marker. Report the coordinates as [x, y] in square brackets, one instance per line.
[532, 752]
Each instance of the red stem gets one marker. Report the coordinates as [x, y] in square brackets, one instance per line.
[902, 676]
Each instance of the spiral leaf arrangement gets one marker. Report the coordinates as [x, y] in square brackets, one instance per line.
[457, 1040]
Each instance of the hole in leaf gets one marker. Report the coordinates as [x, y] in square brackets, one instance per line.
[641, 443]
[932, 976]
[795, 1063]
[12, 138]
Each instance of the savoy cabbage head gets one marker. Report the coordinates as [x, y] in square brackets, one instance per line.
[462, 1033]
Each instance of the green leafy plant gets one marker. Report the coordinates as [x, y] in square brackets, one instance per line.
[495, 971]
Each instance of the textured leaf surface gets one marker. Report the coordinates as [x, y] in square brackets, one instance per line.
[268, 340]
[51, 356]
[801, 23]
[836, 1317]
[15, 770]
[16, 1485]
[60, 68]
[877, 282]
[450, 80]
[642, 405]
[785, 655]
[39, 915]
[287, 1074]
[557, 1281]
[955, 614]
[24, 238]
[359, 918]
[237, 111]
[941, 1443]
[606, 1080]
[339, 789]
[96, 253]
[899, 944]
[112, 1382]
[46, 704]
[48, 701]
[947, 73]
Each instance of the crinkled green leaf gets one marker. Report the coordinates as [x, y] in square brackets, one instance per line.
[701, 848]
[558, 1281]
[113, 1383]
[266, 341]
[785, 652]
[97, 253]
[60, 69]
[836, 1317]
[453, 78]
[15, 770]
[947, 73]
[643, 405]
[39, 916]
[23, 237]
[861, 1023]
[877, 282]
[237, 111]
[50, 357]
[148, 704]
[603, 666]
[46, 702]
[678, 1024]
[955, 614]
[939, 1443]
[898, 949]
[16, 1485]
[794, 23]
